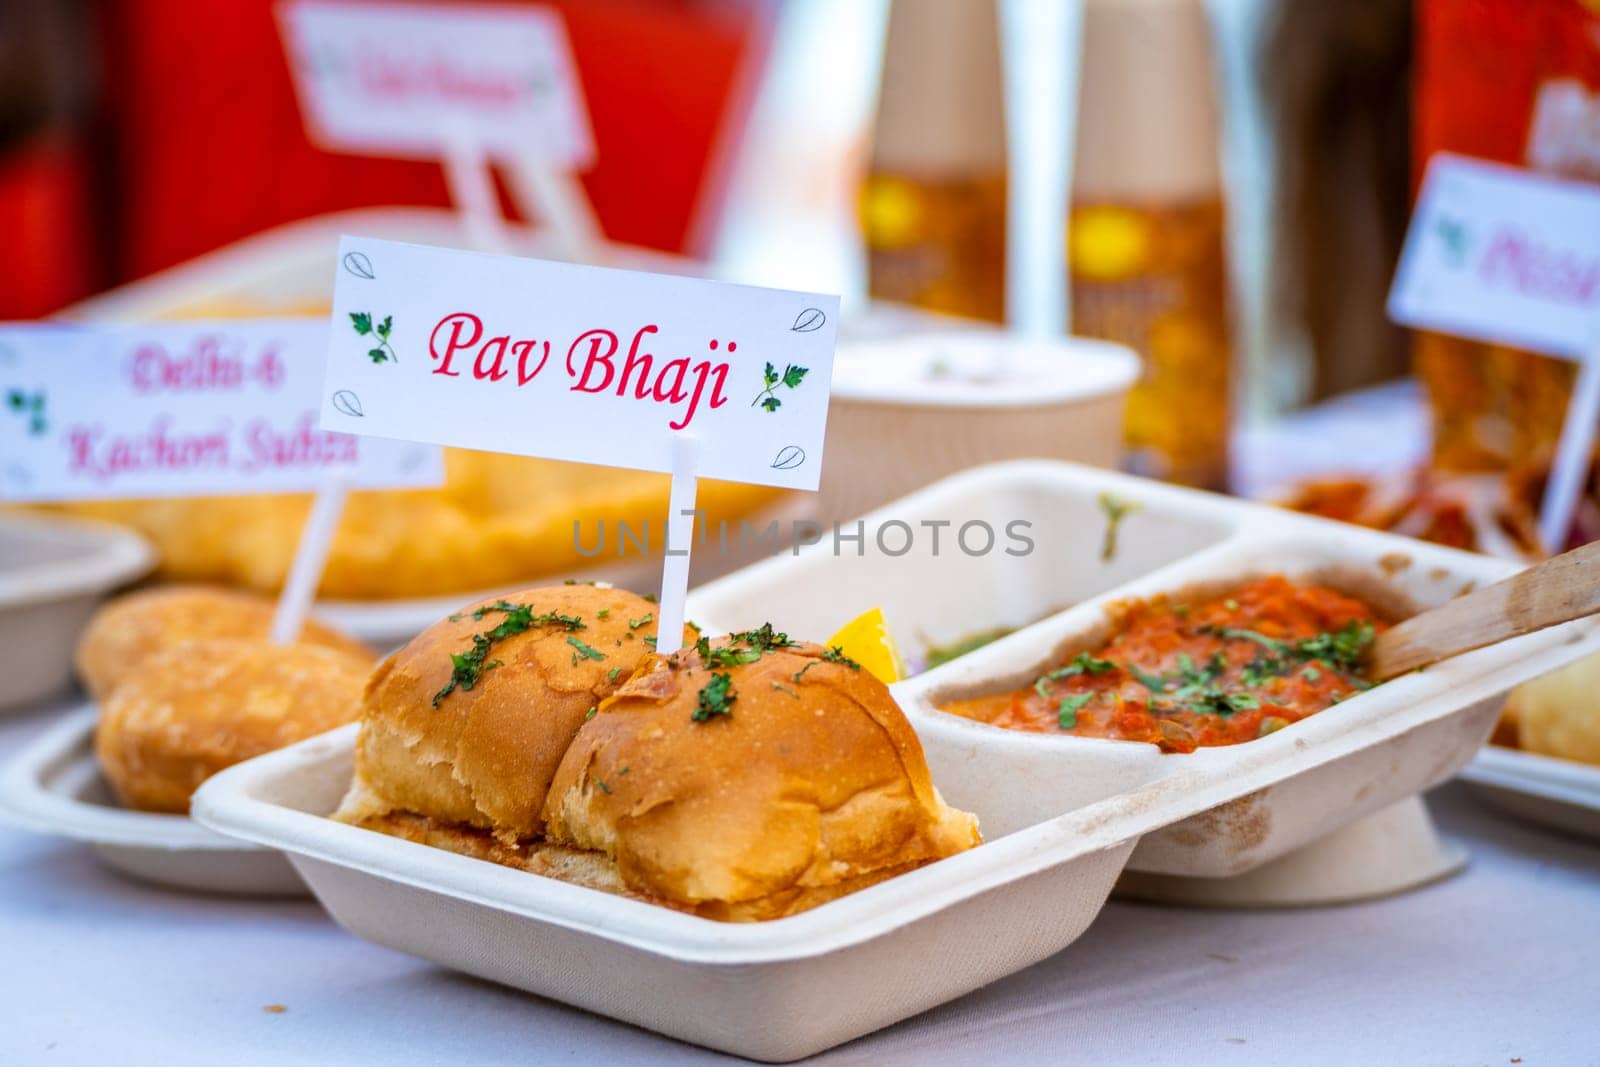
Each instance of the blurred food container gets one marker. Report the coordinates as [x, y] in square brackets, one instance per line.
[933, 208]
[907, 412]
[288, 270]
[53, 572]
[1145, 237]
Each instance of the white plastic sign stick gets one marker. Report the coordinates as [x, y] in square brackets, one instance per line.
[471, 184]
[1504, 256]
[190, 409]
[581, 363]
[1042, 43]
[310, 556]
[402, 79]
[557, 200]
[1574, 448]
[680, 541]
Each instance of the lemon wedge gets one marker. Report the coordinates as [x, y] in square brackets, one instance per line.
[866, 639]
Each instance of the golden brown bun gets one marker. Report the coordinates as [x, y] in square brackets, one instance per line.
[483, 756]
[186, 713]
[131, 628]
[1559, 714]
[812, 786]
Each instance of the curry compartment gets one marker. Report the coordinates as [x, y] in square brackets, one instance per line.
[1318, 775]
[1063, 815]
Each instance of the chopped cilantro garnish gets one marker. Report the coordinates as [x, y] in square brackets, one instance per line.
[715, 699]
[611, 675]
[591, 713]
[1116, 509]
[836, 655]
[466, 668]
[1082, 663]
[600, 784]
[765, 639]
[780, 687]
[644, 620]
[1343, 650]
[603, 613]
[1153, 682]
[584, 651]
[725, 655]
[1069, 707]
[1233, 633]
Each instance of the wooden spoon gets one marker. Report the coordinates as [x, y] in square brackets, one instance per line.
[1558, 590]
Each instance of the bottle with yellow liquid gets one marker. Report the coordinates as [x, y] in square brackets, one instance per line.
[1145, 237]
[934, 203]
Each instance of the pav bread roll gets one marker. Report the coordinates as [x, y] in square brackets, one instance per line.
[1557, 715]
[185, 713]
[752, 778]
[133, 627]
[466, 724]
[740, 779]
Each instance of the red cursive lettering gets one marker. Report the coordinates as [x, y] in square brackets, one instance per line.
[455, 320]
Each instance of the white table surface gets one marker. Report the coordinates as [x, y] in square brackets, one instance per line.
[1498, 965]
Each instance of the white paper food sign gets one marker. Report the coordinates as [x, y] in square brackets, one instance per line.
[192, 409]
[406, 79]
[1502, 255]
[579, 363]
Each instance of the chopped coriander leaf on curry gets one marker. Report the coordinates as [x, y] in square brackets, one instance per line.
[1218, 672]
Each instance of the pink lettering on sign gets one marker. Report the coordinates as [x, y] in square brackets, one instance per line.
[666, 385]
[390, 78]
[304, 445]
[1539, 271]
[101, 455]
[213, 363]
[459, 333]
[592, 364]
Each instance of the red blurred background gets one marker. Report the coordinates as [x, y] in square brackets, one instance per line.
[146, 132]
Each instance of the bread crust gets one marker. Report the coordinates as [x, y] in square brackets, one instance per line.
[482, 755]
[186, 713]
[813, 785]
[596, 870]
[132, 628]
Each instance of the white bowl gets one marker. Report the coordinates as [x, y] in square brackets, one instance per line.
[910, 410]
[53, 574]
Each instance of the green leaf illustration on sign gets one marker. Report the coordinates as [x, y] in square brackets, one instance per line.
[382, 351]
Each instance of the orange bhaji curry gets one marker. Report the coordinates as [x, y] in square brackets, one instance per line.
[1217, 672]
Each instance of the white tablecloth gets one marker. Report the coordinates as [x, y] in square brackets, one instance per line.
[1498, 965]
